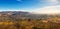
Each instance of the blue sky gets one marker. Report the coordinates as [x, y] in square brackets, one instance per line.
[21, 4]
[18, 4]
[28, 5]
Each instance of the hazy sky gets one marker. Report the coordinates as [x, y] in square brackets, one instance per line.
[30, 5]
[42, 6]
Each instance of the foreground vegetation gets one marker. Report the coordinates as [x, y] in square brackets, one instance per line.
[50, 23]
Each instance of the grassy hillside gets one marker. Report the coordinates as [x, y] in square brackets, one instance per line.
[19, 20]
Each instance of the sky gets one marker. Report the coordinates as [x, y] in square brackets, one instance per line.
[37, 6]
[18, 4]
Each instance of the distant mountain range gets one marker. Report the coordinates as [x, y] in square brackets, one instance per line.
[17, 15]
[22, 14]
